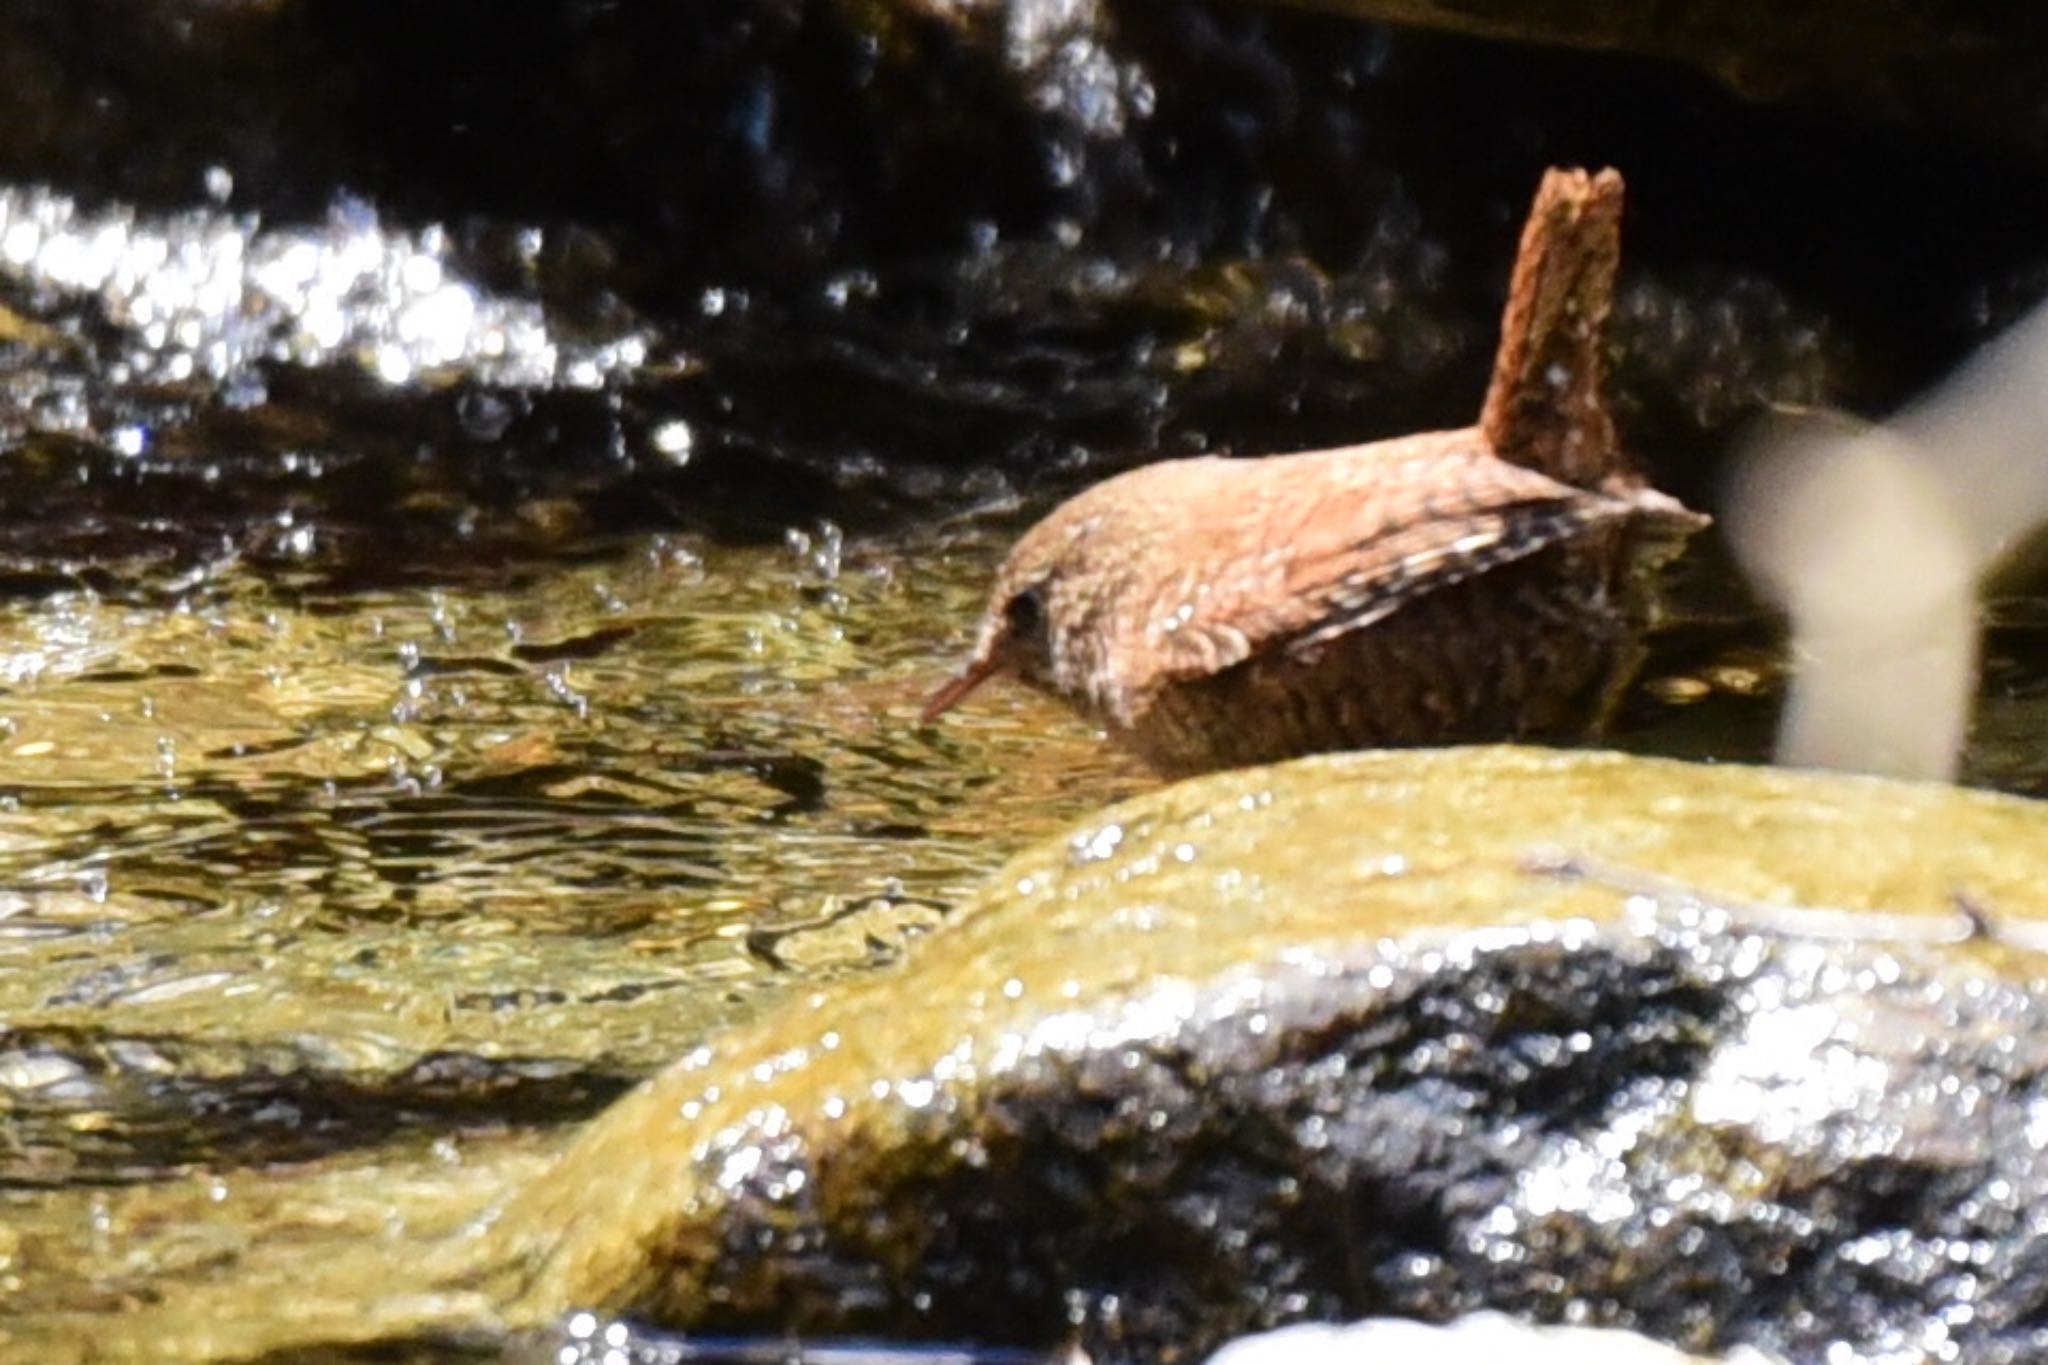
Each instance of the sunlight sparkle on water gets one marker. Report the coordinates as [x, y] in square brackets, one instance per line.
[219, 293]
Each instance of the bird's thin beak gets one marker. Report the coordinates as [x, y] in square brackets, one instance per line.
[956, 688]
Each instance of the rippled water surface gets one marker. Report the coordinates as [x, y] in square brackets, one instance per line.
[585, 815]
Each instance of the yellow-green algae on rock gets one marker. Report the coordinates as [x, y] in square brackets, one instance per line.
[1210, 880]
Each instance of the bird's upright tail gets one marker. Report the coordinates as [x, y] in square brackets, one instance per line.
[1544, 409]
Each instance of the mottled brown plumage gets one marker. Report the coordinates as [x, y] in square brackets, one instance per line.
[1214, 612]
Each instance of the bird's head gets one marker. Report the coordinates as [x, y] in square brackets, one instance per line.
[1041, 623]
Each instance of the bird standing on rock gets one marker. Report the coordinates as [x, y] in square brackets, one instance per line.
[1485, 583]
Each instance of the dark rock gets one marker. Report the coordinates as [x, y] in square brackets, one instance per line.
[1966, 65]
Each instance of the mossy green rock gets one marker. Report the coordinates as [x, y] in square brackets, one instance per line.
[1268, 1045]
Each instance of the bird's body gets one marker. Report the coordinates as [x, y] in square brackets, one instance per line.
[1215, 612]
[1486, 583]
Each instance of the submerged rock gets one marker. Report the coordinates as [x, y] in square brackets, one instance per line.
[1323, 1041]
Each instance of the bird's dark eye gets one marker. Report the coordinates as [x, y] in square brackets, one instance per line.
[1024, 613]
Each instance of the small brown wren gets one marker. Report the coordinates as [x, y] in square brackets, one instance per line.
[1485, 583]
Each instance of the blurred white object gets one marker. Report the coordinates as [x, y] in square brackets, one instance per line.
[1480, 1339]
[1874, 538]
[1856, 536]
[1985, 432]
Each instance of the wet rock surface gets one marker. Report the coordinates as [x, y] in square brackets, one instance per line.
[1316, 1042]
